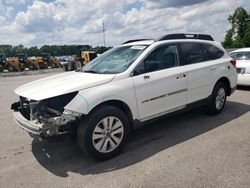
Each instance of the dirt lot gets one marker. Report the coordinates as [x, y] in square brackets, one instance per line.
[190, 149]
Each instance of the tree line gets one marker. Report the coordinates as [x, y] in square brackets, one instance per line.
[54, 50]
[238, 36]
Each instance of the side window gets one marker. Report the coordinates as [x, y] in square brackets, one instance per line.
[192, 53]
[214, 52]
[163, 57]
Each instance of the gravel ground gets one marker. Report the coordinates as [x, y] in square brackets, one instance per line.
[190, 149]
[5, 73]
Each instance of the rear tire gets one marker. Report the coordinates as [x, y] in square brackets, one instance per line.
[218, 99]
[104, 133]
[79, 65]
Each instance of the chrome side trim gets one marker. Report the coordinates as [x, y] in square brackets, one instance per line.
[176, 92]
[165, 95]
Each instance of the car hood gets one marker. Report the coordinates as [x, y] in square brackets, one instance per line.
[61, 84]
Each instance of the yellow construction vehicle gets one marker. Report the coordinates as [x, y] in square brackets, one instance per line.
[36, 63]
[83, 57]
[51, 61]
[75, 62]
[15, 64]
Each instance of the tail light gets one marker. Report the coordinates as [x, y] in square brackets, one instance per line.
[233, 62]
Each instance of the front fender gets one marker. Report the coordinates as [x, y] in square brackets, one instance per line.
[88, 99]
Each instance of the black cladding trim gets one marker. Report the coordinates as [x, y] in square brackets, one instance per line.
[164, 95]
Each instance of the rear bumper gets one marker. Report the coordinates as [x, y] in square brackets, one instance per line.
[244, 79]
[29, 126]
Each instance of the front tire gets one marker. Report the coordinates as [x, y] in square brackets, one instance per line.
[11, 68]
[32, 67]
[218, 99]
[104, 133]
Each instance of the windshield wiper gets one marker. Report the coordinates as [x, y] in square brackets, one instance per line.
[91, 71]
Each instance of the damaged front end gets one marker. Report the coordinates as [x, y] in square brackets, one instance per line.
[46, 117]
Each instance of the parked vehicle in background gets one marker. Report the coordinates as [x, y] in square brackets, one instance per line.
[126, 86]
[67, 62]
[2, 62]
[242, 57]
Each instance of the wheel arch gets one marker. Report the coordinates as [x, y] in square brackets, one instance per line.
[118, 104]
[225, 81]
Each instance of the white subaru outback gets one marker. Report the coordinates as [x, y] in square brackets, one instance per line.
[126, 86]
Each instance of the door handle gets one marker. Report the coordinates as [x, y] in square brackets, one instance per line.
[214, 67]
[146, 77]
[181, 76]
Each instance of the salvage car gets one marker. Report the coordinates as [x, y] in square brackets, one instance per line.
[125, 87]
[242, 56]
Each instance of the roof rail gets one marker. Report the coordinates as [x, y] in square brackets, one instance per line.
[135, 40]
[186, 36]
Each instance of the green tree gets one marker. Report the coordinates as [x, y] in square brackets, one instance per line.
[239, 21]
[228, 39]
[101, 49]
[238, 43]
[235, 37]
[246, 38]
[18, 49]
[33, 51]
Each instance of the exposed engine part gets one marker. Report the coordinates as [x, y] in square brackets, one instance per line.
[47, 115]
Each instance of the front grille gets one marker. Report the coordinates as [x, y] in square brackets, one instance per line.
[25, 109]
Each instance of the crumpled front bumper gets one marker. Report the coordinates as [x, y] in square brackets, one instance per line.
[31, 127]
[50, 128]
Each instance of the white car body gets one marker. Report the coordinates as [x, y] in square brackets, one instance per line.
[165, 91]
[243, 67]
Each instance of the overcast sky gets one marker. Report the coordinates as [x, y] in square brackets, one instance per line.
[39, 22]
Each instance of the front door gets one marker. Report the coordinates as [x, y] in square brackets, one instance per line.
[160, 83]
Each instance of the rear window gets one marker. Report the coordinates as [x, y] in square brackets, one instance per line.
[240, 55]
[213, 52]
[192, 53]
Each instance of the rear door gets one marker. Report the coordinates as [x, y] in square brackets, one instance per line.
[198, 69]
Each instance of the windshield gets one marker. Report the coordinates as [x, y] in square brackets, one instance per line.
[115, 60]
[240, 55]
